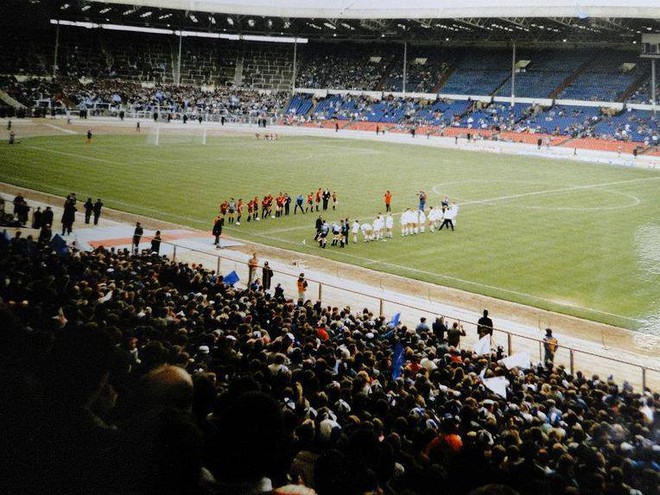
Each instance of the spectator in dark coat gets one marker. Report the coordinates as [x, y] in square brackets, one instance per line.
[266, 276]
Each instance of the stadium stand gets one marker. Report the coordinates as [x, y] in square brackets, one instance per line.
[424, 73]
[266, 67]
[546, 71]
[108, 96]
[162, 379]
[565, 120]
[148, 364]
[442, 113]
[632, 125]
[642, 93]
[299, 105]
[605, 78]
[478, 72]
[346, 66]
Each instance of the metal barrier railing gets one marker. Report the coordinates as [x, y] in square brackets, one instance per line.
[573, 358]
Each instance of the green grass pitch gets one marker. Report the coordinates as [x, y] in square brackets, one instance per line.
[578, 238]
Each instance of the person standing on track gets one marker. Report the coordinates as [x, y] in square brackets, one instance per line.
[218, 224]
[89, 208]
[155, 243]
[97, 210]
[253, 263]
[549, 347]
[484, 325]
[301, 283]
[69, 214]
[266, 276]
[137, 235]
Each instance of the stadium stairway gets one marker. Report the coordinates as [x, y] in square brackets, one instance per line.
[502, 84]
[639, 82]
[570, 79]
[385, 74]
[444, 78]
[10, 101]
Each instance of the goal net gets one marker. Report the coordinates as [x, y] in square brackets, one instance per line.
[176, 134]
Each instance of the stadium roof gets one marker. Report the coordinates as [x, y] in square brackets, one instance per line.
[614, 22]
[415, 9]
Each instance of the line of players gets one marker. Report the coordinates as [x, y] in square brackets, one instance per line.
[276, 206]
[412, 222]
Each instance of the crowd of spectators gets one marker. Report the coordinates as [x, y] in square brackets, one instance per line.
[125, 373]
[143, 57]
[420, 77]
[29, 92]
[113, 96]
[178, 99]
[630, 125]
[573, 121]
[353, 69]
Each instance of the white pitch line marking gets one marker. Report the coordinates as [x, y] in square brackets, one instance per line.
[58, 128]
[456, 279]
[552, 191]
[521, 195]
[73, 155]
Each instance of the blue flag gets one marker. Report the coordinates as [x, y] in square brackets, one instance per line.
[59, 245]
[397, 360]
[231, 278]
[395, 320]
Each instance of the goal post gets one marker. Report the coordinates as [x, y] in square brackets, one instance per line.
[177, 135]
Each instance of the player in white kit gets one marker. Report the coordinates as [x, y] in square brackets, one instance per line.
[389, 224]
[367, 231]
[354, 230]
[421, 220]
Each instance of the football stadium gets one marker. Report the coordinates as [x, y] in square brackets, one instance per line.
[294, 247]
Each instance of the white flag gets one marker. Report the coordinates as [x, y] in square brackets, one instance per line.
[106, 298]
[519, 360]
[497, 385]
[482, 346]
